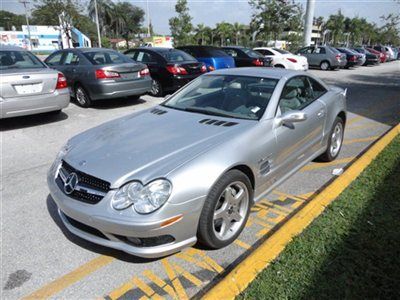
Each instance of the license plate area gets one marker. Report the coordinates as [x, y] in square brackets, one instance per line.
[30, 88]
[133, 75]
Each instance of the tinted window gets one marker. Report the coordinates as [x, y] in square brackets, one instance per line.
[230, 96]
[144, 57]
[106, 57]
[231, 52]
[296, 94]
[71, 59]
[251, 53]
[54, 60]
[174, 55]
[319, 50]
[19, 60]
[317, 89]
[265, 52]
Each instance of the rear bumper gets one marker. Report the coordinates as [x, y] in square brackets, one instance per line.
[112, 89]
[29, 105]
[177, 82]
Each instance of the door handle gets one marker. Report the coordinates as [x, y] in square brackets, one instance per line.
[321, 113]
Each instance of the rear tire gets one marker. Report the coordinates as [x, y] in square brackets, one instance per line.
[335, 142]
[156, 89]
[82, 97]
[226, 210]
[325, 65]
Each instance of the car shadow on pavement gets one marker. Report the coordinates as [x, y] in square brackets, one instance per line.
[31, 120]
[116, 103]
[52, 209]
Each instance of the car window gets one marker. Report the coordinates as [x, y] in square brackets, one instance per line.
[231, 52]
[106, 57]
[191, 51]
[19, 60]
[55, 59]
[281, 51]
[212, 52]
[308, 50]
[251, 53]
[71, 59]
[174, 55]
[296, 94]
[242, 97]
[317, 89]
[144, 57]
[319, 50]
[266, 52]
[131, 54]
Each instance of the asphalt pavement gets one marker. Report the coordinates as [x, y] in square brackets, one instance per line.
[40, 258]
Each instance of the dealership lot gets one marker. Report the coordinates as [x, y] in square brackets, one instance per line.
[40, 258]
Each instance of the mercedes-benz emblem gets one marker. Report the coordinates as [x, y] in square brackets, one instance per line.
[71, 183]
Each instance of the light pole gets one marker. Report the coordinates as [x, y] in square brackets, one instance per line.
[25, 2]
[309, 22]
[97, 23]
[148, 19]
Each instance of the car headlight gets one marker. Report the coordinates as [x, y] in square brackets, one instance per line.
[145, 199]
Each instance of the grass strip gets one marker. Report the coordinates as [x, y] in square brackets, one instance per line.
[352, 250]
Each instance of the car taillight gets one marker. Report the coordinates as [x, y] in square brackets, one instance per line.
[292, 60]
[258, 62]
[203, 69]
[144, 72]
[211, 68]
[381, 54]
[105, 74]
[338, 56]
[176, 70]
[353, 58]
[61, 82]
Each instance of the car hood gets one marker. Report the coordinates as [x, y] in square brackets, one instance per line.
[148, 145]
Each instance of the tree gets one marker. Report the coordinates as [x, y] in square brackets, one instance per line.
[224, 31]
[336, 25]
[181, 26]
[46, 12]
[104, 11]
[238, 30]
[389, 32]
[276, 16]
[8, 20]
[200, 32]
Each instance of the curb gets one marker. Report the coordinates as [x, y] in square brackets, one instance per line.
[243, 274]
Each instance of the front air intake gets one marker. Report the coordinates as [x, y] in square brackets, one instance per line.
[217, 122]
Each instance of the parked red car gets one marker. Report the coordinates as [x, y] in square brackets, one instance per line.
[381, 55]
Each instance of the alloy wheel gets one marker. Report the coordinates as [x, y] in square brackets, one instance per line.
[336, 139]
[230, 211]
[155, 88]
[81, 96]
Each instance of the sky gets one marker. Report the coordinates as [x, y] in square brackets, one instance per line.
[212, 12]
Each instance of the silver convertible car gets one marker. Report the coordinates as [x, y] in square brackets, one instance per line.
[188, 170]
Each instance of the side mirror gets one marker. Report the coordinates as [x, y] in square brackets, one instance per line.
[291, 117]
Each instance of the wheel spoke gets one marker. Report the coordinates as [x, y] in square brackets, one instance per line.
[220, 213]
[228, 195]
[236, 216]
[225, 226]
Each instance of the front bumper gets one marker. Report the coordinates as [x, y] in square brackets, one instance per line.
[28, 105]
[107, 89]
[114, 224]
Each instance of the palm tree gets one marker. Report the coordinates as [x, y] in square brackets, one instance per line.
[105, 12]
[200, 31]
[224, 31]
[238, 30]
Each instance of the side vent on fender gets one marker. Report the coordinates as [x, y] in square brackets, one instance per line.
[217, 122]
[265, 167]
[157, 111]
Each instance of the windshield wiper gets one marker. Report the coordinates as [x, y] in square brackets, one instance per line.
[207, 112]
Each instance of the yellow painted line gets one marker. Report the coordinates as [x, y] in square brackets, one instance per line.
[193, 279]
[241, 276]
[121, 290]
[145, 288]
[354, 119]
[207, 259]
[314, 166]
[361, 140]
[242, 244]
[174, 279]
[192, 260]
[297, 198]
[65, 281]
[161, 283]
[363, 126]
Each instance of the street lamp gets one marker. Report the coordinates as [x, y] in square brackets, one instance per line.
[25, 2]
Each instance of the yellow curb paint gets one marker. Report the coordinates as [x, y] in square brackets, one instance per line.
[314, 166]
[241, 276]
[121, 290]
[65, 281]
[242, 244]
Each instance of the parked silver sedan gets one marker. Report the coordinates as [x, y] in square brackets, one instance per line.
[188, 170]
[28, 86]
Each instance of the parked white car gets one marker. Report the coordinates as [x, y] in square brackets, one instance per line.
[284, 59]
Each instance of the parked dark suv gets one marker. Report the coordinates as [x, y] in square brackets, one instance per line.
[96, 73]
[170, 69]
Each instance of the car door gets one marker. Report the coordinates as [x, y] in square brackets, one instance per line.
[149, 59]
[72, 67]
[235, 55]
[298, 142]
[54, 61]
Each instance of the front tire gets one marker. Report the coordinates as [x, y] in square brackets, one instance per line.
[226, 210]
[335, 141]
[156, 89]
[82, 96]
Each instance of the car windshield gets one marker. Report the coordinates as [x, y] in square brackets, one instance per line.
[19, 60]
[174, 55]
[106, 57]
[241, 97]
[252, 53]
[281, 51]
